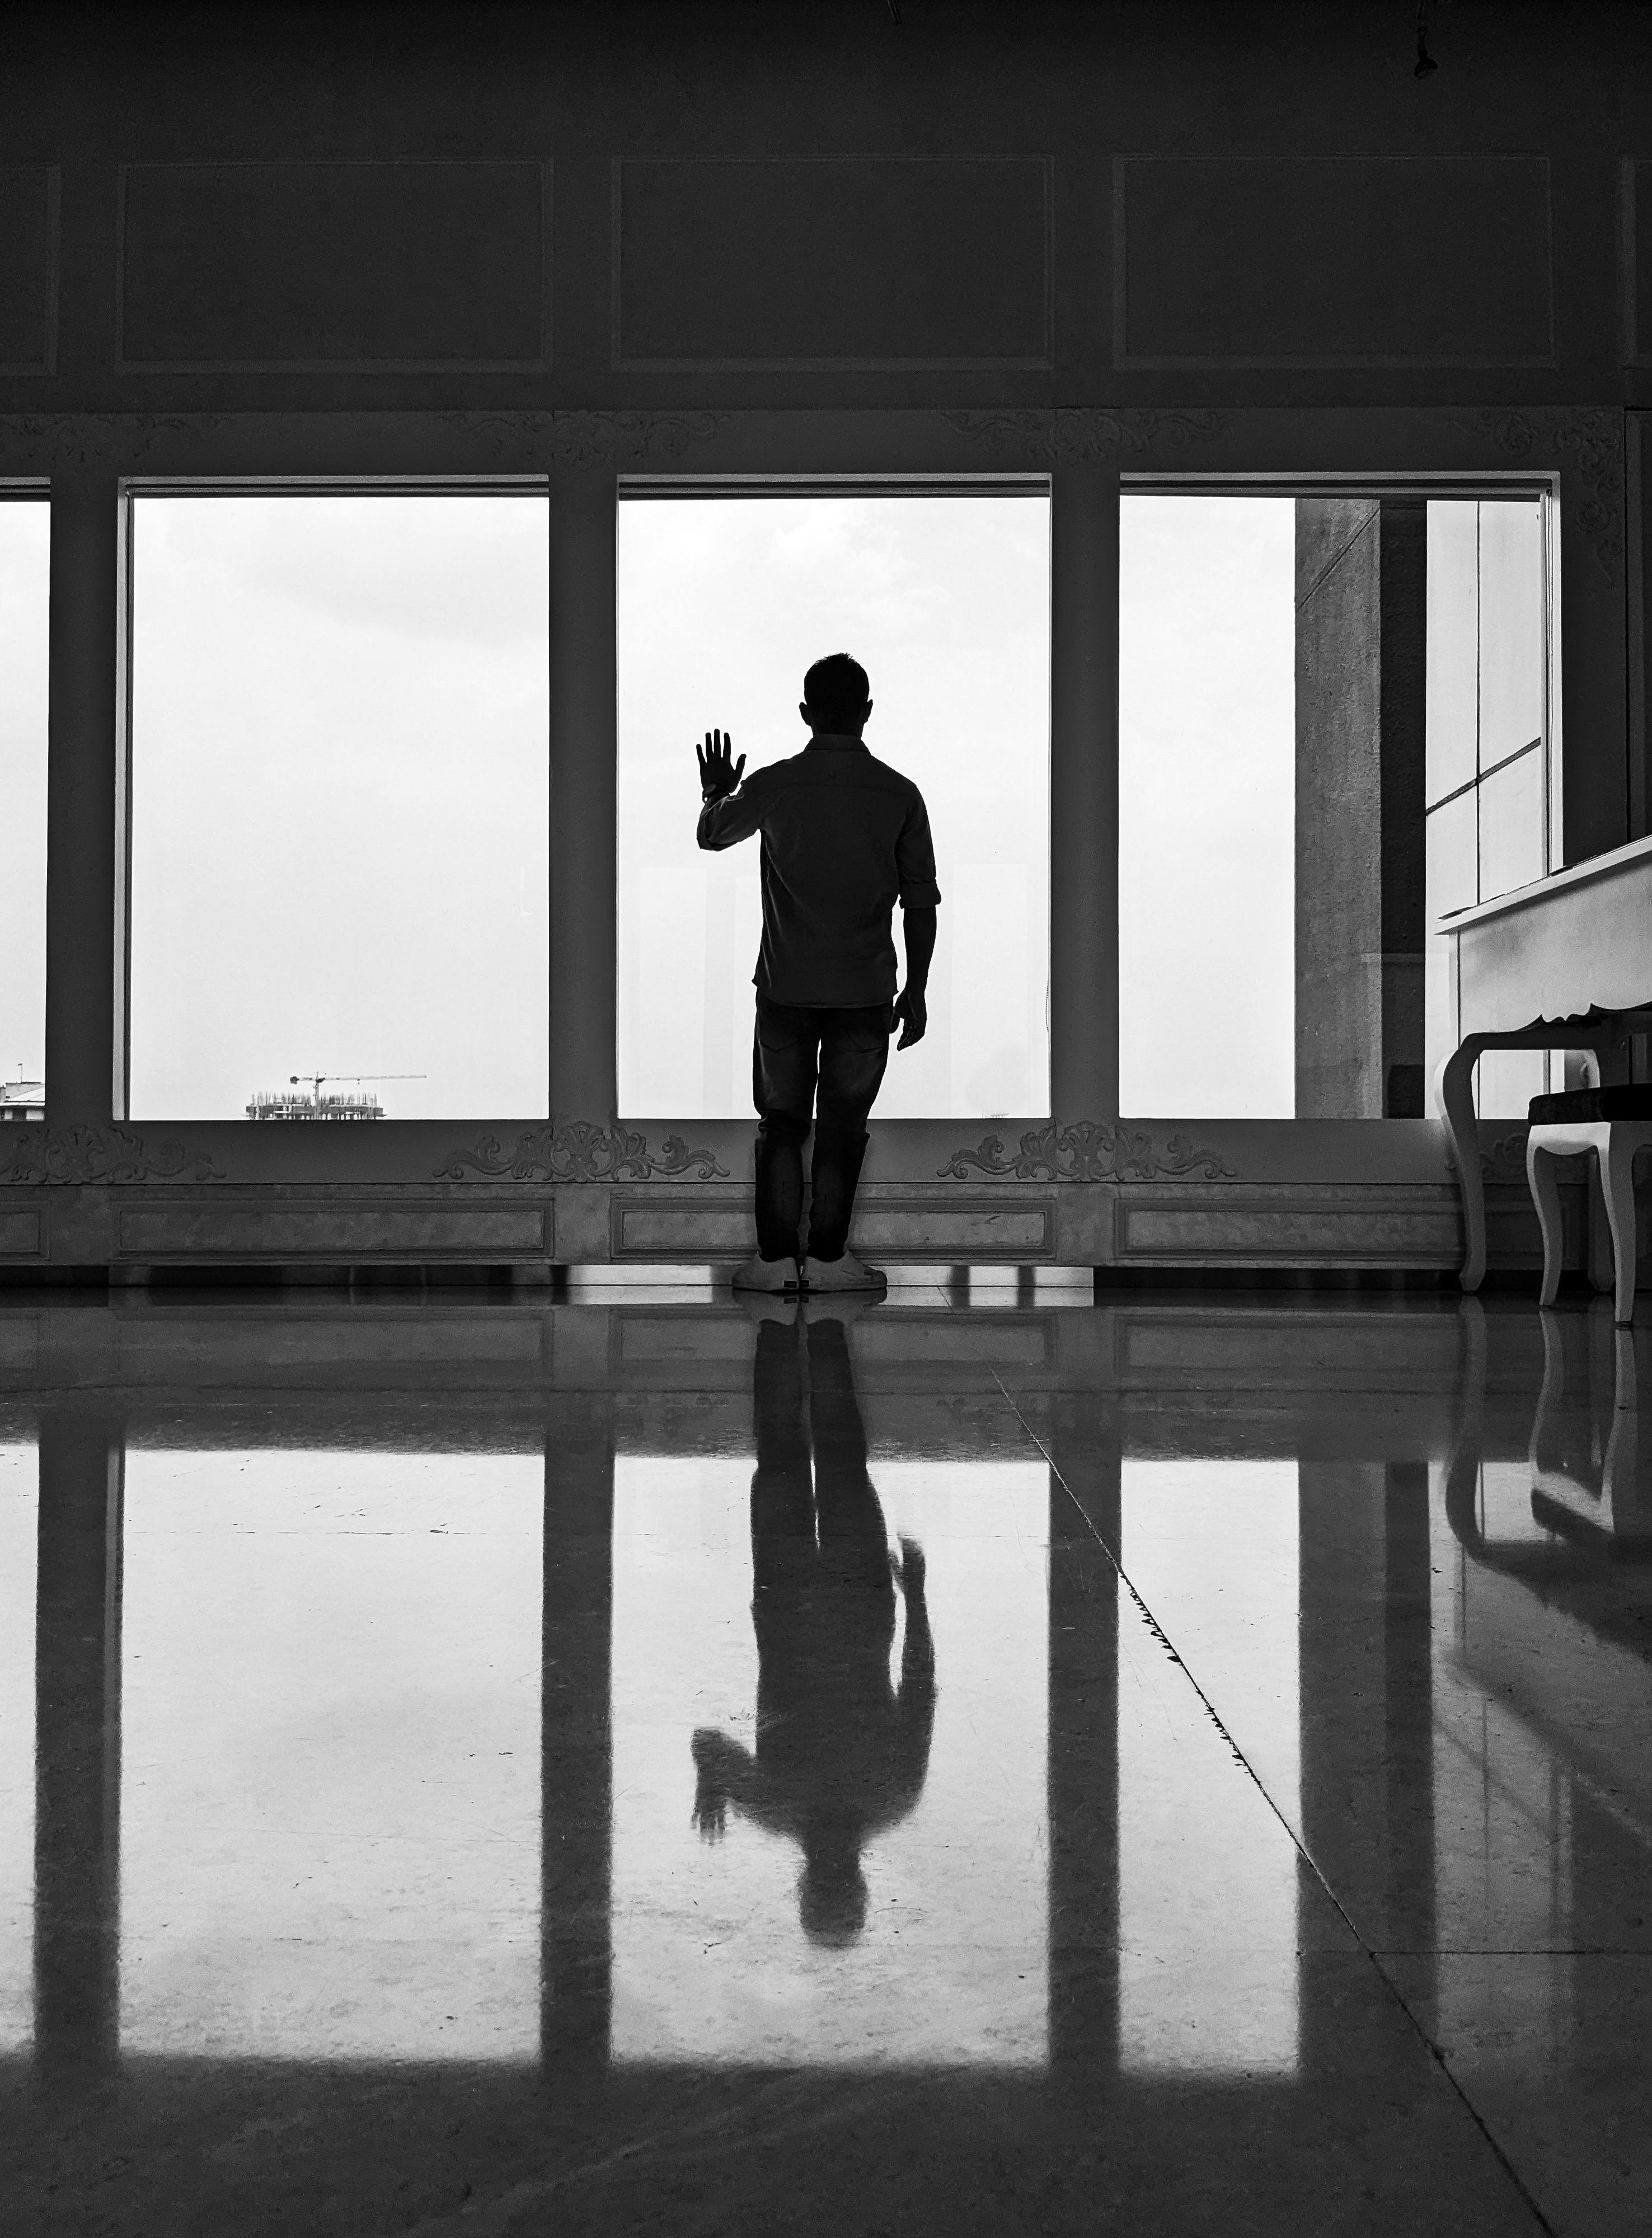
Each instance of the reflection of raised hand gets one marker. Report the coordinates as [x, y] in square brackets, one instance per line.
[720, 1766]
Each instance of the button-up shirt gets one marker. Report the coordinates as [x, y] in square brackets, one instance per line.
[844, 838]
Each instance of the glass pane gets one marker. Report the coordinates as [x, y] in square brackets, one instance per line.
[340, 804]
[1453, 644]
[1512, 630]
[1511, 826]
[1506, 1080]
[1207, 807]
[931, 1950]
[19, 1530]
[25, 535]
[330, 1755]
[723, 605]
[1211, 1546]
[1453, 883]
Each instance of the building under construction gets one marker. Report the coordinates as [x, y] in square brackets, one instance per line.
[298, 1103]
[301, 1098]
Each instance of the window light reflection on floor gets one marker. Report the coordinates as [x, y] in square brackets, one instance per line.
[19, 1525]
[330, 1755]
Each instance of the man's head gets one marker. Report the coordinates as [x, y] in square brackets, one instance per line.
[836, 696]
[831, 1889]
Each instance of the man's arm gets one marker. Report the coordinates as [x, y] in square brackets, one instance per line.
[910, 1006]
[724, 816]
[915, 865]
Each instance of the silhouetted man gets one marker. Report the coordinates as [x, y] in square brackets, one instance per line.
[844, 838]
[841, 1752]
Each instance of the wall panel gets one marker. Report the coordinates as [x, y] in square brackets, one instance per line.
[833, 263]
[424, 264]
[1298, 262]
[29, 198]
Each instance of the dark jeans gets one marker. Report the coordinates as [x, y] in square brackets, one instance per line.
[795, 1053]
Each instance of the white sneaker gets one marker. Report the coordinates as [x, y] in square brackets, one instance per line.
[845, 1273]
[767, 1274]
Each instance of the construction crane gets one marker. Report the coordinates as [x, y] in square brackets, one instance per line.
[294, 1079]
[276, 1105]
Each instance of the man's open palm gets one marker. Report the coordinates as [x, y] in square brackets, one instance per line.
[719, 772]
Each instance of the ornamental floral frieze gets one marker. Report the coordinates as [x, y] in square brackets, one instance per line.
[1585, 441]
[83, 1155]
[100, 439]
[1088, 1150]
[580, 1151]
[585, 439]
[1069, 435]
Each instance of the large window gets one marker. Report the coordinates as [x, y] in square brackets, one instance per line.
[1333, 729]
[1488, 732]
[340, 803]
[724, 601]
[25, 533]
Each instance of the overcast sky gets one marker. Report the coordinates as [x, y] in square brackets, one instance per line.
[1207, 807]
[723, 604]
[25, 533]
[339, 801]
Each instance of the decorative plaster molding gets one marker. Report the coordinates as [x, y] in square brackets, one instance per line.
[580, 1151]
[1590, 438]
[1071, 435]
[1506, 1161]
[76, 1154]
[102, 439]
[586, 439]
[1088, 1150]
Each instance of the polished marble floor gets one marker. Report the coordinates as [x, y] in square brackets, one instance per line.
[986, 1761]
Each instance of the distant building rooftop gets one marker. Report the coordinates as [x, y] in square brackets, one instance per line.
[22, 1100]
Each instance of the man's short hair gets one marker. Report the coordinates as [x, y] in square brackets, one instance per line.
[837, 689]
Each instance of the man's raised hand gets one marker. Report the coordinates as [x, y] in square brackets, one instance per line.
[719, 772]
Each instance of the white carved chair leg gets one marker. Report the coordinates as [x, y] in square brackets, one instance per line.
[1545, 1195]
[1617, 1173]
[1454, 1094]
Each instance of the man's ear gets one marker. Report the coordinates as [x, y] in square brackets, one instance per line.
[803, 709]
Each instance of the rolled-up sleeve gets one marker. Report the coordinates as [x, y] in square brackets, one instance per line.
[724, 823]
[915, 859]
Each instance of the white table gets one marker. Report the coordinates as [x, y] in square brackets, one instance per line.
[1563, 963]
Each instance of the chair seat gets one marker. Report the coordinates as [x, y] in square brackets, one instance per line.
[1590, 1106]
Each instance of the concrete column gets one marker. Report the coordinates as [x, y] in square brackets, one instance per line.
[77, 1747]
[85, 841]
[1361, 644]
[584, 1079]
[1083, 793]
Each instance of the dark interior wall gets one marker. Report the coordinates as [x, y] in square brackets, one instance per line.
[751, 202]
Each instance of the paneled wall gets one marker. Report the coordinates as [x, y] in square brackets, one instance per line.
[810, 201]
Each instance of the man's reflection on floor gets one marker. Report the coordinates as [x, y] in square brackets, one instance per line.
[841, 1752]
